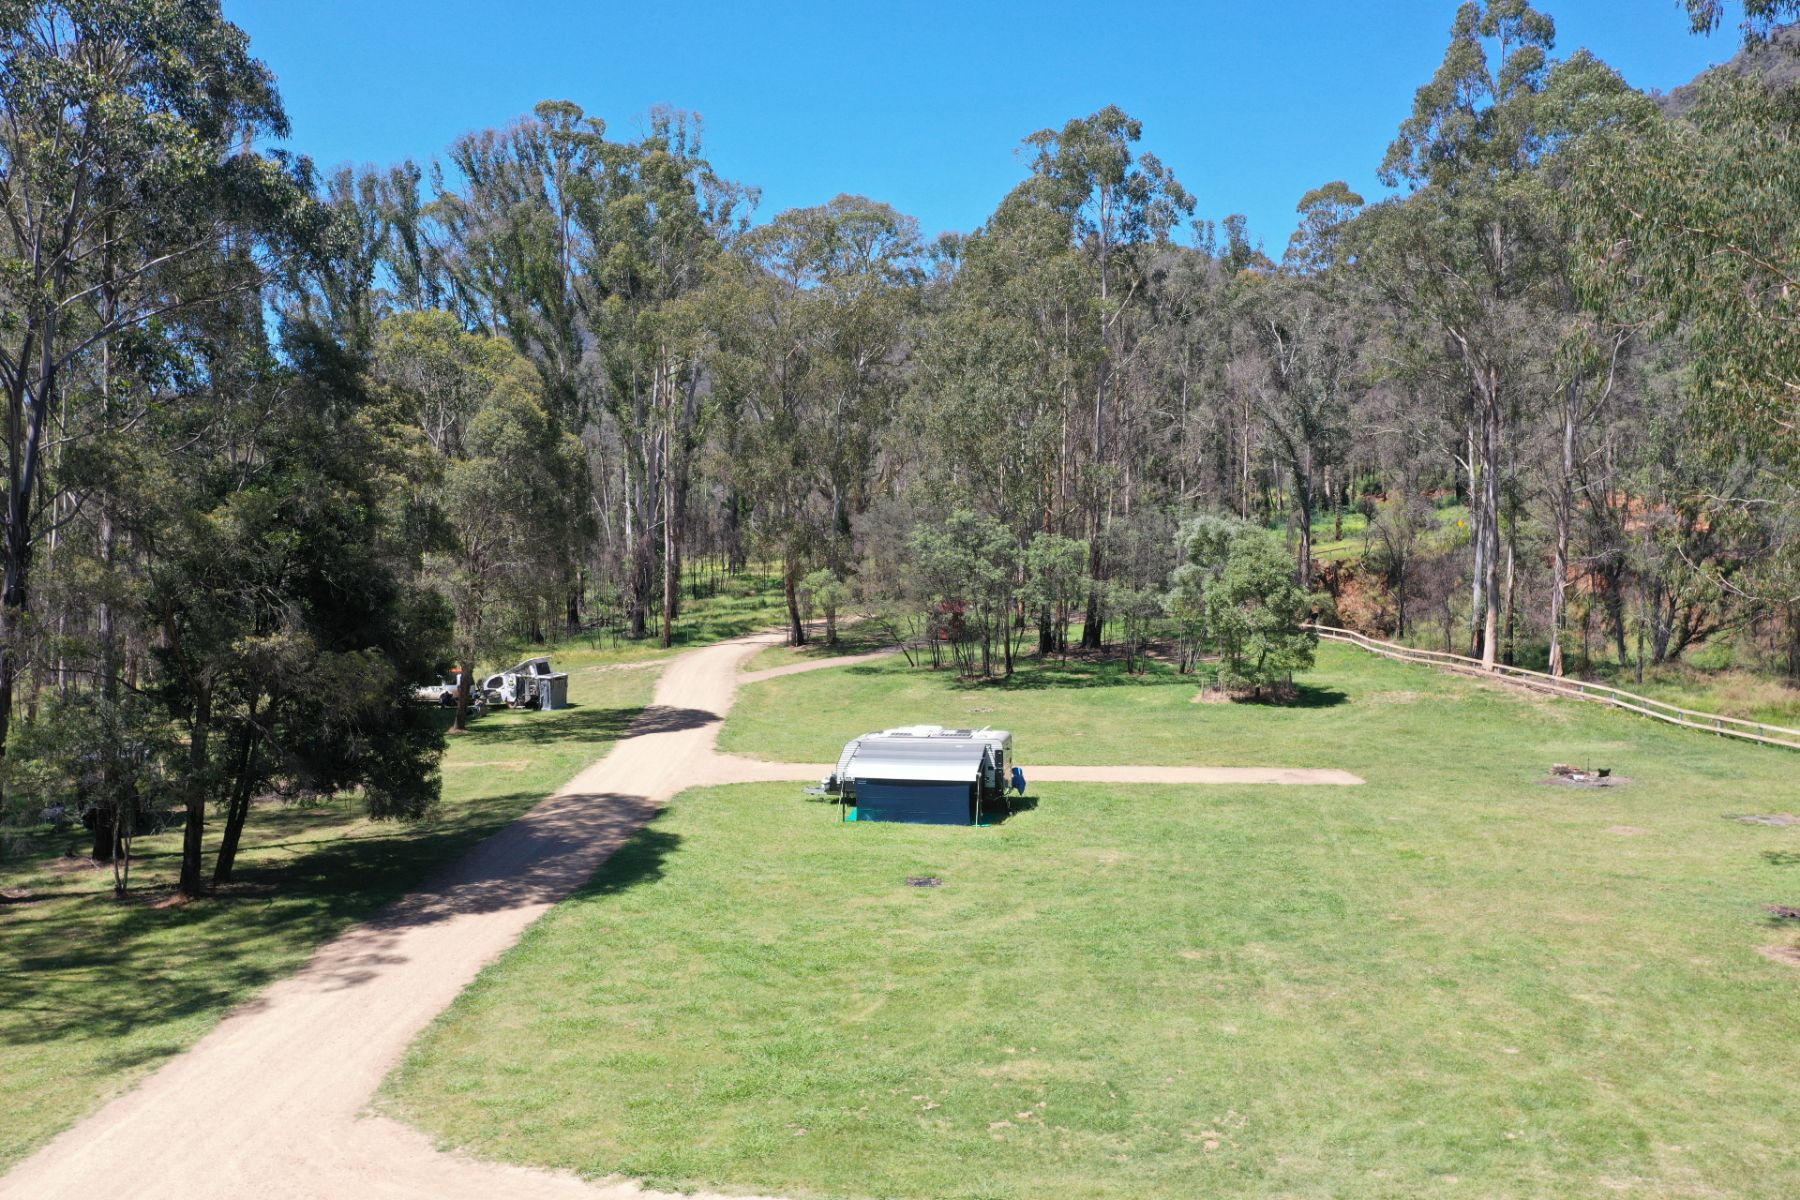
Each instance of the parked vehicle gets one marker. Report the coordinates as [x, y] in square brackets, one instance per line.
[443, 693]
[924, 774]
[530, 684]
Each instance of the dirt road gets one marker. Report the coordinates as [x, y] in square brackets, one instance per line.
[271, 1102]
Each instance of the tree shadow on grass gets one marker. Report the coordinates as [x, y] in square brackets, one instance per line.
[98, 968]
[1307, 695]
[590, 725]
[1782, 858]
[640, 860]
[540, 858]
[576, 723]
[1073, 675]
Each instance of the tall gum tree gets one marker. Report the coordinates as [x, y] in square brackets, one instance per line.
[812, 361]
[124, 161]
[1470, 252]
[1121, 206]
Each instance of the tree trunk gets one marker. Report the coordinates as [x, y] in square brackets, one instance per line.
[1615, 611]
[1093, 622]
[237, 811]
[106, 826]
[1490, 488]
[1793, 642]
[1303, 497]
[1559, 562]
[1510, 580]
[465, 686]
[671, 579]
[1477, 530]
[790, 586]
[192, 836]
[17, 549]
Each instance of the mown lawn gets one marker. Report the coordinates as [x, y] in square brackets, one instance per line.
[1450, 982]
[1096, 713]
[95, 992]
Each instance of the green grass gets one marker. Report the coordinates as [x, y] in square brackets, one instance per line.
[1329, 547]
[742, 604]
[1450, 982]
[95, 992]
[852, 639]
[1729, 689]
[1074, 713]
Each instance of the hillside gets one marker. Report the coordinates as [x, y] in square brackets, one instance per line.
[1777, 62]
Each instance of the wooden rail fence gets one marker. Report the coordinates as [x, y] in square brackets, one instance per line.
[1735, 727]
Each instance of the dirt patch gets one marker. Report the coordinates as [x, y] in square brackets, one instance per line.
[70, 864]
[1585, 781]
[1275, 695]
[1787, 956]
[1779, 820]
[1784, 912]
[923, 881]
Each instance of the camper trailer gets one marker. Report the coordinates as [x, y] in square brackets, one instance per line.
[923, 774]
[530, 684]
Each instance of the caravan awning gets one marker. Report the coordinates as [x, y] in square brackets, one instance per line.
[917, 759]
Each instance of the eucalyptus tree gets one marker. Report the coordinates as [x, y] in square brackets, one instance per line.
[378, 264]
[506, 243]
[125, 165]
[1181, 356]
[504, 248]
[1469, 252]
[813, 361]
[1761, 17]
[1687, 210]
[1121, 207]
[989, 380]
[652, 231]
[498, 492]
[1305, 338]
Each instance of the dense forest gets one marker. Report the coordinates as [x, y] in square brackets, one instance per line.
[283, 443]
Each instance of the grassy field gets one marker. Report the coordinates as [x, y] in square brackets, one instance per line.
[852, 639]
[1453, 981]
[1095, 713]
[95, 992]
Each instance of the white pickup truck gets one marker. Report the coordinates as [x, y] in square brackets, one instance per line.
[443, 693]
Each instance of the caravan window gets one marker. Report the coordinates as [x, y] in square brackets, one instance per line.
[540, 668]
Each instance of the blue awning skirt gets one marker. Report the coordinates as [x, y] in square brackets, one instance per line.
[916, 801]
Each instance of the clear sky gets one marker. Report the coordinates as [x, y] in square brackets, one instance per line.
[921, 105]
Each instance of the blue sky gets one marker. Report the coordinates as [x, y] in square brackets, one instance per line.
[921, 105]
